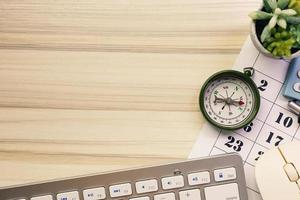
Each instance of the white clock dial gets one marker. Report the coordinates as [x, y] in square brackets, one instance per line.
[228, 101]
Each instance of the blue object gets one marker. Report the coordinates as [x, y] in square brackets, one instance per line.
[291, 87]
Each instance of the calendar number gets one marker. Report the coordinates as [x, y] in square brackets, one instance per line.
[259, 154]
[234, 144]
[263, 85]
[277, 139]
[248, 128]
[286, 121]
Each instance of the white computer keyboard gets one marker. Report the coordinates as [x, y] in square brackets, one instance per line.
[214, 178]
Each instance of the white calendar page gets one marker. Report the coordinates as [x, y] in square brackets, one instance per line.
[274, 124]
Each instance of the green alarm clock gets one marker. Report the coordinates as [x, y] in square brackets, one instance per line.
[230, 99]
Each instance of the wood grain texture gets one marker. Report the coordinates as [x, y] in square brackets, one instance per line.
[91, 86]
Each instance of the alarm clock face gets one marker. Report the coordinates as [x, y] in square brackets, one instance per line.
[229, 101]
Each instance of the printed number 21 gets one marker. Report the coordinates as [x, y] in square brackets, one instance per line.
[235, 144]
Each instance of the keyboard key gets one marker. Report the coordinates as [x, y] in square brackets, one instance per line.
[199, 178]
[172, 182]
[187, 180]
[222, 192]
[225, 174]
[120, 190]
[94, 193]
[45, 197]
[141, 198]
[166, 196]
[146, 186]
[190, 195]
[68, 196]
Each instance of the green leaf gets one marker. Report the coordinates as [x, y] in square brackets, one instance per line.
[289, 12]
[272, 4]
[265, 34]
[259, 15]
[267, 6]
[282, 23]
[295, 31]
[273, 21]
[282, 4]
[292, 20]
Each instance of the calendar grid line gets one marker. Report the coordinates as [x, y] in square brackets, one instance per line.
[296, 132]
[249, 164]
[275, 104]
[270, 126]
[220, 131]
[261, 145]
[255, 141]
[269, 76]
[279, 130]
[219, 149]
[253, 190]
[281, 106]
[278, 106]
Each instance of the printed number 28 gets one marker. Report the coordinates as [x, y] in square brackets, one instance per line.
[233, 143]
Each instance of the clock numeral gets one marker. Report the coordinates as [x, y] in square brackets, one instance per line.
[263, 85]
[234, 144]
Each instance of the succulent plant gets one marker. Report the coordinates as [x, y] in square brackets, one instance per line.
[280, 26]
[280, 43]
[277, 12]
[295, 31]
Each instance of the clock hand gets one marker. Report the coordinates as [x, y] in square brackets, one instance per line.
[222, 96]
[233, 102]
[218, 100]
[224, 106]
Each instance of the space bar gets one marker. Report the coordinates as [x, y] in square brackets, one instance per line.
[222, 192]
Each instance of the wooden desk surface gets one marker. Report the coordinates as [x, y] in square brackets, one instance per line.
[90, 86]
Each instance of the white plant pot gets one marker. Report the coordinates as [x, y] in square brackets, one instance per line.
[262, 49]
